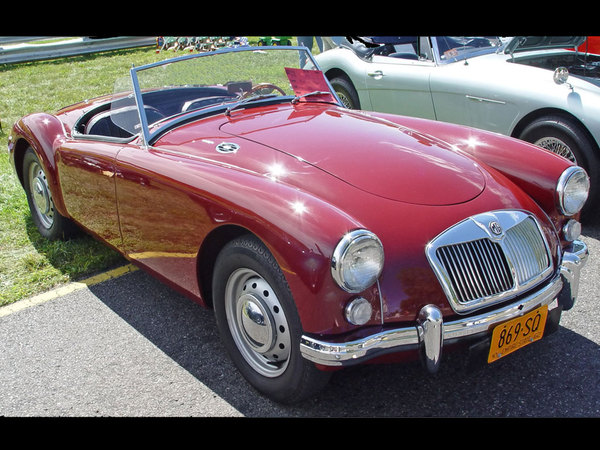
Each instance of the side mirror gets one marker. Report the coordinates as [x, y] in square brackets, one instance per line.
[561, 74]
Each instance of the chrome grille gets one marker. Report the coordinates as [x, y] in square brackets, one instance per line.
[477, 269]
[526, 248]
[488, 258]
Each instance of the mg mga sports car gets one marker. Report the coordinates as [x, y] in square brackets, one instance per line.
[321, 236]
[534, 88]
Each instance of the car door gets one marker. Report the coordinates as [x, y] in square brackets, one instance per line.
[475, 94]
[399, 84]
[163, 222]
[87, 178]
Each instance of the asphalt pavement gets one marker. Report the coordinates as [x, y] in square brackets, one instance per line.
[132, 347]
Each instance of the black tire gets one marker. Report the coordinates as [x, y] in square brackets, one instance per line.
[346, 92]
[49, 222]
[565, 137]
[265, 350]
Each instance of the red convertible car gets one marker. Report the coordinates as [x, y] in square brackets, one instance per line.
[321, 236]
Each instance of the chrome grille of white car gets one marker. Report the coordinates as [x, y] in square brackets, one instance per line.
[489, 258]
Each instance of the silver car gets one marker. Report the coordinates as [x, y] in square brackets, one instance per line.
[536, 88]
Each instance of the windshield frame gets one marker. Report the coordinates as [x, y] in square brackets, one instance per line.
[149, 136]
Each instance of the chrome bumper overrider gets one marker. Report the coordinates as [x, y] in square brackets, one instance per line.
[430, 333]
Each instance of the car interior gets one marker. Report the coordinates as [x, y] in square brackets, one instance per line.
[119, 119]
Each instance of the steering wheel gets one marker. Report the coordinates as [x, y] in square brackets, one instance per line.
[263, 89]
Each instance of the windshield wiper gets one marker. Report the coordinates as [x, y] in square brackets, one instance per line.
[297, 98]
[247, 100]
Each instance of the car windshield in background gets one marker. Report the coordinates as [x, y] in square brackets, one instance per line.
[447, 49]
[214, 81]
[456, 48]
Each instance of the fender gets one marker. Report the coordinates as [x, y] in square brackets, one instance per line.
[44, 133]
[204, 198]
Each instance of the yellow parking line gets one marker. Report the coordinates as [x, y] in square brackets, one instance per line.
[66, 289]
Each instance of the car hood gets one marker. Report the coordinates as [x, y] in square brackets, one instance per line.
[529, 43]
[370, 154]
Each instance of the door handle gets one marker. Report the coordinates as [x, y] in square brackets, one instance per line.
[375, 74]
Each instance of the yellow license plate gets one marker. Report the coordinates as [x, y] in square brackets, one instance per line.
[517, 333]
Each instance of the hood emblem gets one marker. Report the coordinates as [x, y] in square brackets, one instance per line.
[227, 147]
[495, 228]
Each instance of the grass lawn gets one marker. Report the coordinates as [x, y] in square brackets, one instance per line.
[28, 263]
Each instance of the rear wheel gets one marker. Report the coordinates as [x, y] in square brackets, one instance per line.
[566, 138]
[50, 223]
[259, 324]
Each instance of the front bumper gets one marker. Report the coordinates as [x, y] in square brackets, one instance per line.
[431, 333]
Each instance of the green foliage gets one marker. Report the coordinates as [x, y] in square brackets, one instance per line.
[30, 264]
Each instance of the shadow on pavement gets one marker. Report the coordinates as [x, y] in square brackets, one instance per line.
[556, 377]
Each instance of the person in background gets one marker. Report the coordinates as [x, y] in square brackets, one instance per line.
[307, 41]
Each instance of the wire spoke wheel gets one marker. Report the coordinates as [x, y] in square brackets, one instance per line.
[345, 100]
[557, 146]
[346, 92]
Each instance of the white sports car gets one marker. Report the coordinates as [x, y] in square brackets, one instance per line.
[535, 88]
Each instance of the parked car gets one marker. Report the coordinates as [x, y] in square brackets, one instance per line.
[529, 87]
[321, 236]
[590, 45]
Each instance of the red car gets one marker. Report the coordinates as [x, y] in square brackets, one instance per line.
[591, 45]
[321, 236]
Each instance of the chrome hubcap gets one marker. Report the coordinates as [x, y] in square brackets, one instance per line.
[557, 146]
[40, 194]
[257, 322]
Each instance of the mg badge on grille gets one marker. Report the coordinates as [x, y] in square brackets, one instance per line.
[495, 228]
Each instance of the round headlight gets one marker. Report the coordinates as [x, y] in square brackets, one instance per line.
[572, 189]
[357, 261]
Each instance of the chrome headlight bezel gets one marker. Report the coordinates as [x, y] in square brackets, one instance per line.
[360, 278]
[572, 190]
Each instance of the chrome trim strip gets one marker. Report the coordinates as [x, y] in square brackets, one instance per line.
[346, 353]
[380, 300]
[145, 133]
[431, 333]
[570, 268]
[431, 336]
[483, 99]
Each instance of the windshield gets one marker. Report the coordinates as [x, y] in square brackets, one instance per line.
[217, 82]
[456, 48]
[442, 49]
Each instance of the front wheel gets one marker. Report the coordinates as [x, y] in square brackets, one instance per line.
[259, 324]
[49, 222]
